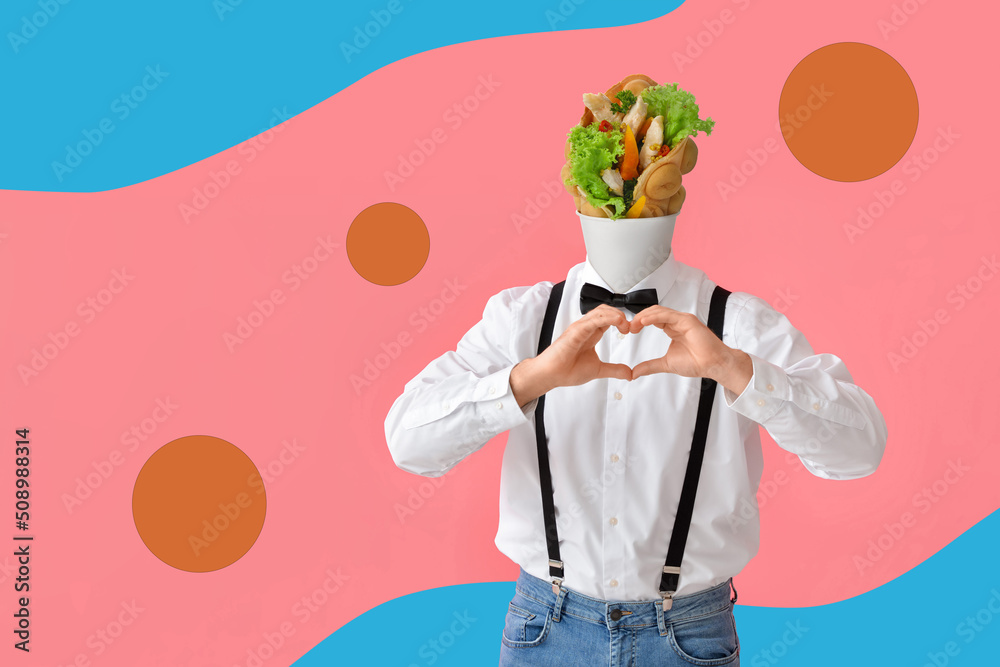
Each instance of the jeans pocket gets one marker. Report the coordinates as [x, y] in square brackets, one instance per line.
[706, 640]
[527, 622]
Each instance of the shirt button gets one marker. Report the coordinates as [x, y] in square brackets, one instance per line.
[499, 404]
[613, 521]
[445, 406]
[761, 401]
[815, 406]
[618, 395]
[493, 390]
[770, 387]
[613, 583]
[614, 458]
[620, 335]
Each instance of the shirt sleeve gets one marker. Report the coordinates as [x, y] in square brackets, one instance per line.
[462, 399]
[808, 402]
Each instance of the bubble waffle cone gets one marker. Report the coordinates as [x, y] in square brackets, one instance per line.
[660, 180]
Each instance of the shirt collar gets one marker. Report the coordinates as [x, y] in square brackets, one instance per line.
[661, 279]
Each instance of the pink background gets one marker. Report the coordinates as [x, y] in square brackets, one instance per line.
[335, 506]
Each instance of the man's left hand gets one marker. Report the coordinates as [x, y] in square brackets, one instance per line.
[694, 351]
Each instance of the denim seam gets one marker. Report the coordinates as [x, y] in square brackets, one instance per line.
[534, 642]
[704, 591]
[531, 597]
[706, 662]
[583, 618]
[626, 602]
[595, 621]
[520, 611]
[732, 621]
[667, 621]
[564, 612]
[685, 619]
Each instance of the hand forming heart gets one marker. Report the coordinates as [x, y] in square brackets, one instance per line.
[694, 350]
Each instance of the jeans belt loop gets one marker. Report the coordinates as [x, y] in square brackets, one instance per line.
[560, 600]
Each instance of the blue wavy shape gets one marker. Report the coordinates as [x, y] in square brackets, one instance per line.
[145, 88]
[946, 611]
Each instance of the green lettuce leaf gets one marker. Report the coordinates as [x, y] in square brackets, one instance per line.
[679, 111]
[591, 152]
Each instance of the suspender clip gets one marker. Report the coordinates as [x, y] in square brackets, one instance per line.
[557, 577]
[668, 596]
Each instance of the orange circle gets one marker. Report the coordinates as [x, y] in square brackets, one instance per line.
[848, 111]
[199, 503]
[388, 243]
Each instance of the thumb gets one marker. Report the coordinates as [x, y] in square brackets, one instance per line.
[649, 367]
[617, 371]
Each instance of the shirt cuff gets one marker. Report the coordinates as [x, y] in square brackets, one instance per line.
[496, 404]
[765, 393]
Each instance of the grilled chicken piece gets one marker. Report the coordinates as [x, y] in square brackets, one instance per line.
[613, 178]
[651, 144]
[600, 106]
[636, 116]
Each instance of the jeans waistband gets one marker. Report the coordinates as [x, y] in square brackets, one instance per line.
[629, 613]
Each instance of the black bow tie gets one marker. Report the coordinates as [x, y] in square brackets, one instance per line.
[591, 296]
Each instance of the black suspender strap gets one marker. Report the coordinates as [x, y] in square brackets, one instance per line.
[682, 522]
[542, 444]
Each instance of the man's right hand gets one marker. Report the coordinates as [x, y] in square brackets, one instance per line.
[571, 359]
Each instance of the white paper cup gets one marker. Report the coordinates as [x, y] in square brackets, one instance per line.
[626, 250]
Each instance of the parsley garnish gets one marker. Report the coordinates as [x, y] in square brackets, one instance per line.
[626, 99]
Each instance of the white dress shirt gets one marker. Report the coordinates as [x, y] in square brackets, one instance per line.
[618, 450]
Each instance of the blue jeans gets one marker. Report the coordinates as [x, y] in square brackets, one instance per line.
[575, 629]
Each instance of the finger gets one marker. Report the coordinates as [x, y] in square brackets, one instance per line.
[584, 335]
[597, 320]
[649, 367]
[618, 371]
[593, 338]
[635, 325]
[675, 324]
[667, 316]
[651, 315]
[638, 324]
[618, 318]
[604, 316]
[600, 322]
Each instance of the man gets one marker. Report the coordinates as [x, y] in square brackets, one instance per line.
[622, 359]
